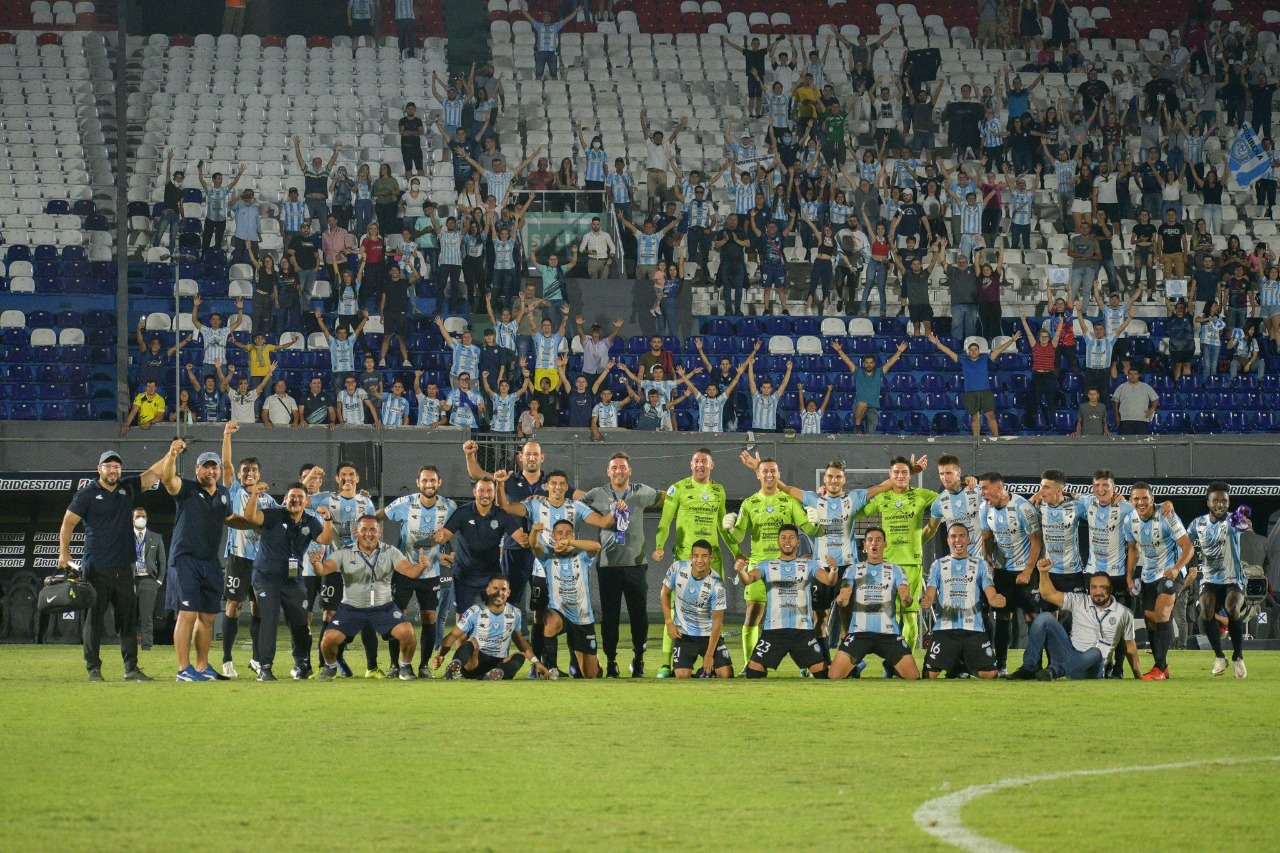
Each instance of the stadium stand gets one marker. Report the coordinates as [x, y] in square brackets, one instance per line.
[226, 102]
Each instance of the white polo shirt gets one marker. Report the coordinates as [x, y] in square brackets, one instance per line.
[1094, 627]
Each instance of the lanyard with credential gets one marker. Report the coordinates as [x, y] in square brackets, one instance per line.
[140, 568]
[1100, 617]
[369, 564]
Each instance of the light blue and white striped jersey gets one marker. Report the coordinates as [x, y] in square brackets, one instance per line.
[742, 152]
[352, 405]
[838, 214]
[1020, 206]
[215, 203]
[418, 526]
[1060, 526]
[699, 212]
[902, 170]
[1106, 537]
[395, 411]
[971, 219]
[404, 10]
[1269, 293]
[788, 603]
[429, 410]
[1193, 149]
[961, 585]
[492, 631]
[343, 514]
[870, 171]
[764, 411]
[466, 359]
[1219, 545]
[687, 187]
[503, 416]
[243, 543]
[1113, 318]
[666, 389]
[481, 110]
[1157, 540]
[779, 109]
[1065, 170]
[744, 197]
[811, 209]
[818, 70]
[499, 185]
[811, 423]
[1011, 526]
[364, 190]
[569, 585]
[710, 413]
[606, 415]
[1211, 331]
[961, 190]
[545, 350]
[342, 354]
[540, 510]
[452, 108]
[547, 36]
[504, 254]
[215, 343]
[962, 507]
[889, 209]
[991, 130]
[694, 600]
[647, 247]
[595, 167]
[506, 334]
[295, 213]
[360, 9]
[835, 538]
[619, 183]
[348, 300]
[875, 595]
[1097, 351]
[460, 411]
[450, 248]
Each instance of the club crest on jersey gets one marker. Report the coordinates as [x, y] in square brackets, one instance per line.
[897, 504]
[768, 509]
[706, 497]
[1111, 620]
[493, 524]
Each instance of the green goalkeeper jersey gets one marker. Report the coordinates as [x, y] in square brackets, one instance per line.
[903, 518]
[762, 515]
[697, 509]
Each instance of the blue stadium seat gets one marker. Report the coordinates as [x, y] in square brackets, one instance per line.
[138, 208]
[937, 401]
[749, 327]
[1018, 382]
[806, 325]
[638, 345]
[916, 423]
[85, 207]
[1071, 382]
[96, 222]
[888, 424]
[1064, 422]
[57, 207]
[777, 325]
[792, 420]
[860, 346]
[55, 412]
[23, 412]
[830, 421]
[717, 327]
[900, 382]
[1206, 422]
[932, 382]
[1235, 421]
[1265, 421]
[945, 423]
[191, 195]
[81, 412]
[1008, 423]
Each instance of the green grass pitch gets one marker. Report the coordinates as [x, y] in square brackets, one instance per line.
[626, 765]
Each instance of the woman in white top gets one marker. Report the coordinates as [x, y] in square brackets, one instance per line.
[1171, 191]
[471, 196]
[411, 204]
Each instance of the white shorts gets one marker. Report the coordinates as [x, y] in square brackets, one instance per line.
[1082, 205]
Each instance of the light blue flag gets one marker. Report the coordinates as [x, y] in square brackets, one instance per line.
[1248, 162]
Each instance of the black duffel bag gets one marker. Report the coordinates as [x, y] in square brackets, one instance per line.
[66, 591]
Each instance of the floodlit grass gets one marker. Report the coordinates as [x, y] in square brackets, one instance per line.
[618, 765]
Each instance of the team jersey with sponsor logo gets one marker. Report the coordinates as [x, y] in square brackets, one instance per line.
[763, 515]
[1219, 545]
[418, 526]
[343, 514]
[694, 601]
[540, 510]
[569, 585]
[244, 543]
[962, 507]
[1157, 540]
[902, 517]
[1011, 526]
[697, 510]
[1106, 534]
[960, 584]
[493, 631]
[835, 523]
[787, 589]
[1060, 525]
[875, 593]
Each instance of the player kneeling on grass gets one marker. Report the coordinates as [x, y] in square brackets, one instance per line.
[957, 583]
[366, 596]
[788, 626]
[484, 636]
[872, 588]
[693, 603]
[567, 567]
[1099, 624]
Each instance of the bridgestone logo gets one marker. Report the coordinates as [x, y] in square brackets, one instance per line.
[45, 564]
[53, 537]
[1161, 490]
[13, 537]
[35, 485]
[12, 550]
[13, 564]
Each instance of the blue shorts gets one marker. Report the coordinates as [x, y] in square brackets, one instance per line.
[383, 619]
[773, 275]
[1266, 312]
[194, 585]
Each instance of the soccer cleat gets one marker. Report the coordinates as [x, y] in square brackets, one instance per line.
[265, 673]
[492, 675]
[1022, 674]
[374, 673]
[229, 669]
[553, 674]
[424, 671]
[1156, 674]
[804, 673]
[664, 671]
[453, 671]
[857, 670]
[254, 666]
[405, 672]
[343, 669]
[611, 670]
[637, 667]
[1241, 672]
[301, 672]
[212, 674]
[532, 674]
[1219, 666]
[327, 673]
[573, 671]
[1046, 675]
[188, 674]
[95, 674]
[1003, 673]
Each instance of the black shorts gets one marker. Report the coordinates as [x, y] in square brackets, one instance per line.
[686, 651]
[236, 578]
[754, 89]
[192, 585]
[1120, 590]
[947, 648]
[1161, 586]
[891, 647]
[801, 643]
[921, 312]
[382, 619]
[1120, 351]
[394, 324]
[330, 591]
[824, 596]
[979, 402]
[1065, 582]
[582, 638]
[426, 590]
[1017, 596]
[538, 593]
[1220, 591]
[361, 27]
[1182, 356]
[488, 663]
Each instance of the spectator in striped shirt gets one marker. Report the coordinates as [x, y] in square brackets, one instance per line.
[497, 179]
[292, 214]
[546, 45]
[712, 402]
[360, 21]
[395, 408]
[215, 207]
[604, 415]
[619, 184]
[811, 413]
[214, 337]
[764, 400]
[502, 405]
[431, 411]
[406, 35]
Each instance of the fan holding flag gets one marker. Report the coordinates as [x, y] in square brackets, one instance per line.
[1254, 161]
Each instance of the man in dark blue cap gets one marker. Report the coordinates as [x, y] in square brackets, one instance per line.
[194, 588]
[106, 508]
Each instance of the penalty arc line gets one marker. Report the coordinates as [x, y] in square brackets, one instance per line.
[940, 817]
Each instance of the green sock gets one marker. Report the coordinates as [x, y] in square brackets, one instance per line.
[750, 636]
[666, 649]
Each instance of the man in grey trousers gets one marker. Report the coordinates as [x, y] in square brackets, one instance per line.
[148, 572]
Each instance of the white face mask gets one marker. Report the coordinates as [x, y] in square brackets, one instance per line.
[139, 524]
[595, 145]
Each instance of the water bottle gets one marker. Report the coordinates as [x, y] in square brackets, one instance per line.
[622, 520]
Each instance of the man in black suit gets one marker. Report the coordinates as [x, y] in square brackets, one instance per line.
[148, 571]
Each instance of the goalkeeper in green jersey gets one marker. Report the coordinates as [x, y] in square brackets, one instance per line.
[760, 516]
[696, 505]
[902, 512]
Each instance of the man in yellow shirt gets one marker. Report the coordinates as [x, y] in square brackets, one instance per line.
[807, 97]
[148, 408]
[261, 353]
